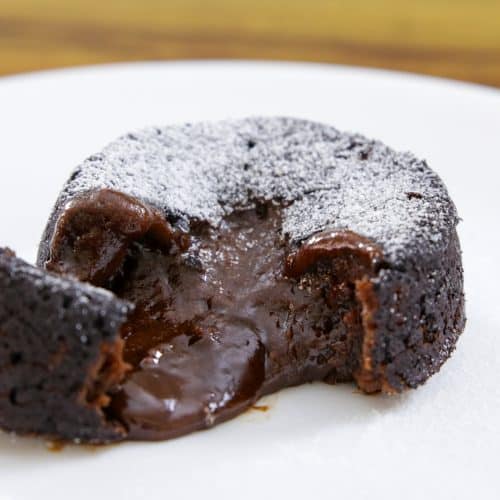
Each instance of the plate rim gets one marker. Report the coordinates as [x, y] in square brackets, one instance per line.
[254, 64]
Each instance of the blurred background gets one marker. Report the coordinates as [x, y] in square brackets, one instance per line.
[452, 38]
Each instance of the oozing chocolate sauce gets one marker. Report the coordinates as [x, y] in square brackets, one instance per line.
[223, 315]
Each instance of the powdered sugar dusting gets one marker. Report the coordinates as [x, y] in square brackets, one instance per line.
[327, 179]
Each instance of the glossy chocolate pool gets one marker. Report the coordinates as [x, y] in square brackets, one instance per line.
[223, 315]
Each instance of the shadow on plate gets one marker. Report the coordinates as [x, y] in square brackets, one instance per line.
[292, 413]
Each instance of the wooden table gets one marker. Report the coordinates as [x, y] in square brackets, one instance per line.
[453, 38]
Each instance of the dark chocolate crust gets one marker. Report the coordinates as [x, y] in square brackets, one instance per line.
[344, 202]
[418, 318]
[59, 352]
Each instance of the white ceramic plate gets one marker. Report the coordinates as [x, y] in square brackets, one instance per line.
[317, 441]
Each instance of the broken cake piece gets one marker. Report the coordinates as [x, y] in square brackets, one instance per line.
[60, 354]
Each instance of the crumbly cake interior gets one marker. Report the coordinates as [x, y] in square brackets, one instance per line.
[222, 314]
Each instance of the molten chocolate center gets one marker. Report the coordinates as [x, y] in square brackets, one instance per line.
[223, 315]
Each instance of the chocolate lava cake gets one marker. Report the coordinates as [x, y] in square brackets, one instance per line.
[188, 270]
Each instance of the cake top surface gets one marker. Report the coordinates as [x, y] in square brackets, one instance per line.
[327, 180]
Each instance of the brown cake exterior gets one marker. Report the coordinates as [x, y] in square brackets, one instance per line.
[418, 317]
[259, 254]
[60, 352]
